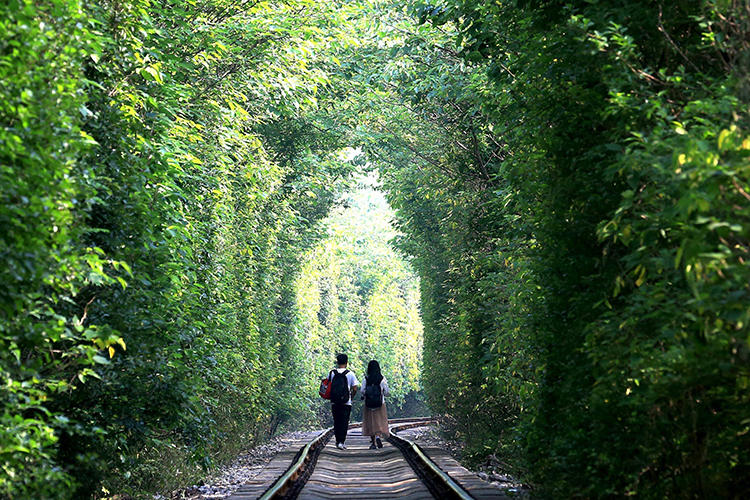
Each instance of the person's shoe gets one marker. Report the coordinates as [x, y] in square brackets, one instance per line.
[343, 446]
[379, 442]
[340, 446]
[373, 447]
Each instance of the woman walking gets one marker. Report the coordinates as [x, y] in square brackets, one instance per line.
[375, 415]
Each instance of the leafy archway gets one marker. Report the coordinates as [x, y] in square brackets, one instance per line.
[570, 182]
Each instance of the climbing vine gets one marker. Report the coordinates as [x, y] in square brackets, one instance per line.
[163, 170]
[570, 184]
[356, 295]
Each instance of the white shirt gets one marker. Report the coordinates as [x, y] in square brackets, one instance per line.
[351, 378]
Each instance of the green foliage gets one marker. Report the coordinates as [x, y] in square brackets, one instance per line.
[570, 182]
[622, 170]
[46, 349]
[150, 202]
[358, 296]
[671, 353]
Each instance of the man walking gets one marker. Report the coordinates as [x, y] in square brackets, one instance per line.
[344, 385]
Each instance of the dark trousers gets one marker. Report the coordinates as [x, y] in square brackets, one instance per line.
[341, 414]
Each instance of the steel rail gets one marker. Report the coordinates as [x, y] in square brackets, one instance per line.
[283, 484]
[431, 466]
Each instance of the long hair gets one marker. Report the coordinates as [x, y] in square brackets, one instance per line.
[374, 377]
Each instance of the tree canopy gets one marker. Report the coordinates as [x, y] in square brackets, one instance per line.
[570, 185]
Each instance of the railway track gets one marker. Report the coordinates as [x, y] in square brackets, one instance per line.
[311, 469]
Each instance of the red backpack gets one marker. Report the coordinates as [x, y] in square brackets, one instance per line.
[325, 387]
[335, 388]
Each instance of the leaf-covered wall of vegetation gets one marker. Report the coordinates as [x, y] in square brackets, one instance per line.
[572, 181]
[163, 170]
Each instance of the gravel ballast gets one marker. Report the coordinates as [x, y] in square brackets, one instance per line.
[228, 478]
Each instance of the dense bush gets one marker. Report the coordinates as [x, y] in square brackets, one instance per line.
[162, 175]
[575, 200]
[47, 348]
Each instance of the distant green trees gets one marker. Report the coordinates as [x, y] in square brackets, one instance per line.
[356, 295]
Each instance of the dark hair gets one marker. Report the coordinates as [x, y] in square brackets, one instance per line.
[374, 377]
[342, 359]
